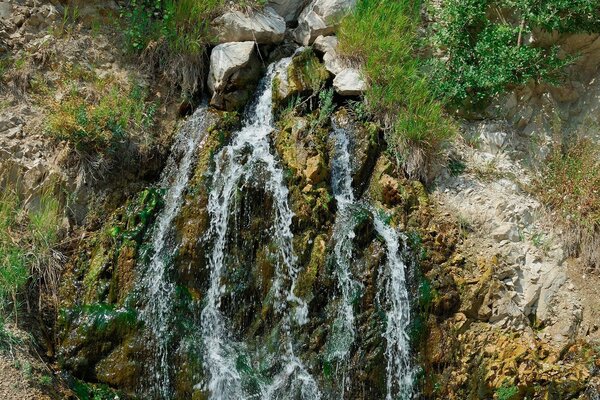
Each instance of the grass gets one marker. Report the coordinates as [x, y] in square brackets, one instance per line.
[381, 35]
[570, 186]
[102, 118]
[28, 241]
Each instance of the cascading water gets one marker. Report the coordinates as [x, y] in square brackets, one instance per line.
[394, 295]
[342, 334]
[248, 159]
[155, 285]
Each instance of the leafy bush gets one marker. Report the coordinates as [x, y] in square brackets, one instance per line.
[102, 123]
[570, 186]
[485, 44]
[381, 35]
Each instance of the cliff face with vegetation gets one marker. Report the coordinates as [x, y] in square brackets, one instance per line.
[471, 132]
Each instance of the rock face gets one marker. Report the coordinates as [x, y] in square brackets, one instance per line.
[265, 27]
[288, 9]
[234, 68]
[320, 17]
[349, 82]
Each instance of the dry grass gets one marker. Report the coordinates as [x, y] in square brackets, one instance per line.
[570, 187]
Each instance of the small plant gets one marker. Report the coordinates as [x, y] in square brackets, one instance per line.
[456, 167]
[104, 124]
[506, 392]
[28, 240]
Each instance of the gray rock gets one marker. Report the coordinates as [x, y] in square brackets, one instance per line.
[226, 59]
[288, 9]
[333, 63]
[263, 27]
[320, 17]
[506, 231]
[326, 44]
[234, 68]
[349, 82]
[5, 11]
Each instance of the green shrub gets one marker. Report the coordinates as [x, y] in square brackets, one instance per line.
[485, 47]
[382, 36]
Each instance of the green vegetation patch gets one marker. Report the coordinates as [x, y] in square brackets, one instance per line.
[382, 36]
[101, 119]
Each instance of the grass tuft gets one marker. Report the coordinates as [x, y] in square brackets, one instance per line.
[381, 35]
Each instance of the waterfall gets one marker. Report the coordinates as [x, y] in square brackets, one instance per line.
[393, 295]
[248, 159]
[155, 285]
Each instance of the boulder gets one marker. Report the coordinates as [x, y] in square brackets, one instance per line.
[288, 9]
[349, 82]
[303, 76]
[234, 69]
[320, 17]
[326, 44]
[506, 231]
[264, 27]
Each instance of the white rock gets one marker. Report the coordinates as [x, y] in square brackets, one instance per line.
[326, 44]
[349, 82]
[225, 60]
[320, 17]
[288, 9]
[506, 231]
[5, 10]
[333, 63]
[264, 26]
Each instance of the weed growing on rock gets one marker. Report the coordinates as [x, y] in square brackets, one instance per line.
[103, 123]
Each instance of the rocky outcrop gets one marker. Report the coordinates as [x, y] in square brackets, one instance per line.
[234, 71]
[265, 26]
[349, 82]
[320, 17]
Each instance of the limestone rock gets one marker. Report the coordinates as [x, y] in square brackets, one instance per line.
[263, 27]
[326, 44]
[506, 231]
[233, 68]
[320, 17]
[349, 82]
[304, 75]
[288, 9]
